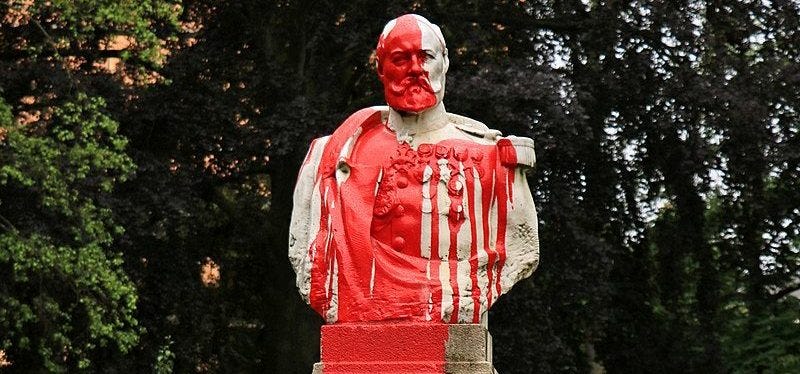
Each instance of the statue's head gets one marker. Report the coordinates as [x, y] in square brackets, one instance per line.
[412, 63]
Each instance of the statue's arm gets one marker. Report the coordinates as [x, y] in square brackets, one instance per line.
[522, 238]
[305, 216]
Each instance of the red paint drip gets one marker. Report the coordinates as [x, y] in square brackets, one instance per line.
[488, 197]
[453, 258]
[321, 256]
[502, 209]
[435, 258]
[473, 249]
[317, 253]
[508, 158]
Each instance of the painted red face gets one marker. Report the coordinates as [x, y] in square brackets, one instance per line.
[406, 82]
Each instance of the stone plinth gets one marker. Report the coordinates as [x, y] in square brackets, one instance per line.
[413, 348]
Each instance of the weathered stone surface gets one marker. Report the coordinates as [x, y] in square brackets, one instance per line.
[468, 343]
[469, 368]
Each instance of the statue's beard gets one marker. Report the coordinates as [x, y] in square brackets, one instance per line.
[413, 94]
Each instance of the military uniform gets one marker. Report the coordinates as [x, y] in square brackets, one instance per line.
[425, 232]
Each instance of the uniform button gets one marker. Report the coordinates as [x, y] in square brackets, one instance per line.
[400, 210]
[402, 182]
[398, 243]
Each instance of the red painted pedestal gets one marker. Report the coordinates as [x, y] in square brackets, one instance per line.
[404, 348]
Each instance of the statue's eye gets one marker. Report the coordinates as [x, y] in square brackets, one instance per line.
[399, 58]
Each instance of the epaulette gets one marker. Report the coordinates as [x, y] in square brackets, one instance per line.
[516, 150]
[513, 150]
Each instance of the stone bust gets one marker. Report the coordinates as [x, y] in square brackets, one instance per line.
[407, 212]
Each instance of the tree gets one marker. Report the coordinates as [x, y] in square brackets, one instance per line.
[67, 302]
[65, 298]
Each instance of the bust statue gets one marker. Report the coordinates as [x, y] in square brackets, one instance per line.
[407, 212]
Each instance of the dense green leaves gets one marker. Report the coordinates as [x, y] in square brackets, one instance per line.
[766, 343]
[64, 295]
[74, 24]
[67, 302]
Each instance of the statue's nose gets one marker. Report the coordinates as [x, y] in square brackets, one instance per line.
[416, 66]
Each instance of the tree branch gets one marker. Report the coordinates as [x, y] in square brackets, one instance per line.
[54, 47]
[7, 225]
[780, 294]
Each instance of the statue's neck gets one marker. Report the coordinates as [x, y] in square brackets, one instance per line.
[406, 125]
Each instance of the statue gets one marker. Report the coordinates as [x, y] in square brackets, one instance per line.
[409, 213]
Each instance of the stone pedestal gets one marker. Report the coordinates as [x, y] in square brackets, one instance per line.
[412, 348]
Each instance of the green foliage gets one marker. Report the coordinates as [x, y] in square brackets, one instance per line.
[64, 294]
[165, 358]
[6, 118]
[764, 343]
[80, 22]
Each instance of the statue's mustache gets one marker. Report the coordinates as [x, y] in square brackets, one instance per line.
[422, 81]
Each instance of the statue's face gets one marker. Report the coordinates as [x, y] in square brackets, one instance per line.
[412, 65]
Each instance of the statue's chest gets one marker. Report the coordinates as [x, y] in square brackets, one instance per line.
[433, 185]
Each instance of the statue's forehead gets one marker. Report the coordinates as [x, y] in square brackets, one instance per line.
[410, 31]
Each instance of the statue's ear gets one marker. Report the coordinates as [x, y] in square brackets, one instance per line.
[379, 69]
[378, 65]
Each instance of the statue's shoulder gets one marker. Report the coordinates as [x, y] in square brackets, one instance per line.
[366, 116]
[473, 127]
[328, 149]
[514, 150]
